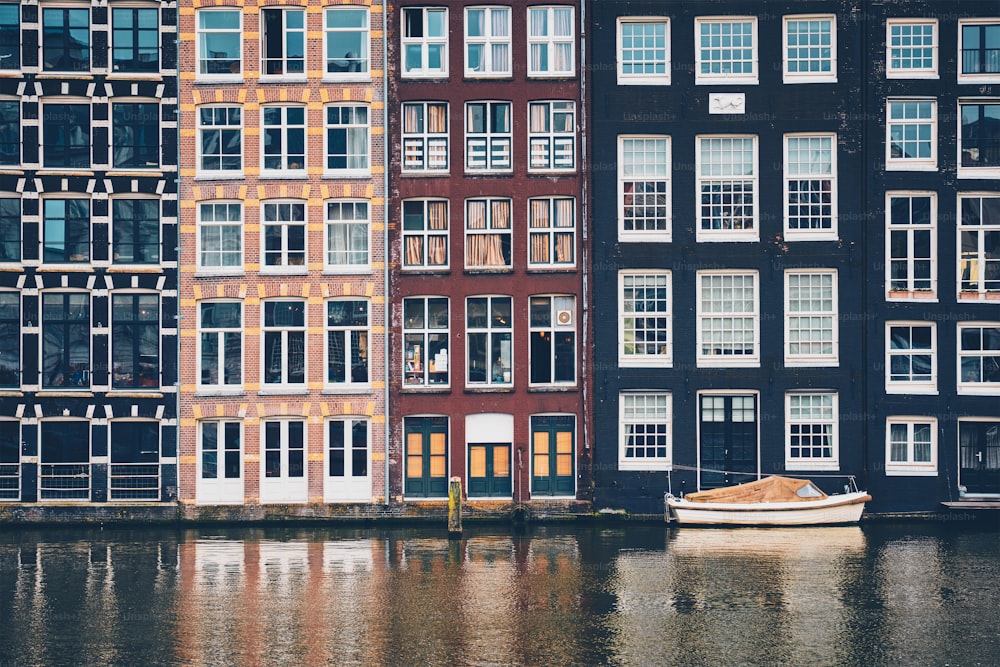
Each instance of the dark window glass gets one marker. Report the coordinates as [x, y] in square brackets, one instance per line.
[66, 340]
[981, 135]
[10, 132]
[10, 229]
[981, 49]
[66, 233]
[136, 133]
[135, 341]
[135, 442]
[65, 40]
[135, 40]
[10, 36]
[66, 135]
[135, 227]
[10, 339]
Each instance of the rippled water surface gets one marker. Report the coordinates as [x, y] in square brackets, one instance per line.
[914, 594]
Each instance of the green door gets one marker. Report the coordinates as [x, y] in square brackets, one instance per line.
[426, 457]
[489, 470]
[553, 452]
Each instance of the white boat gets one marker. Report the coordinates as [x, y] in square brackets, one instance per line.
[772, 501]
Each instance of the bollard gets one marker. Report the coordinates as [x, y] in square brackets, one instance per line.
[455, 507]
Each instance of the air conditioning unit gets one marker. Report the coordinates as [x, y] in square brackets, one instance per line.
[564, 318]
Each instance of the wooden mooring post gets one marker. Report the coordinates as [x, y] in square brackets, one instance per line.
[455, 507]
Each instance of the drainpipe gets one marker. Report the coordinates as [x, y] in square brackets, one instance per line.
[386, 156]
[585, 252]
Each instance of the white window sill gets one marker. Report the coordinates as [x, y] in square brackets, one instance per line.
[904, 388]
[647, 361]
[219, 176]
[646, 464]
[286, 175]
[911, 74]
[487, 75]
[793, 79]
[552, 75]
[284, 271]
[912, 295]
[346, 174]
[893, 471]
[812, 465]
[979, 389]
[973, 79]
[748, 236]
[339, 389]
[796, 236]
[283, 78]
[424, 75]
[655, 237]
[725, 80]
[902, 165]
[356, 77]
[643, 81]
[741, 362]
[331, 270]
[208, 392]
[234, 273]
[978, 172]
[207, 79]
[812, 362]
[284, 391]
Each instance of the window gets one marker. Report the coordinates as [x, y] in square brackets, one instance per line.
[283, 461]
[811, 323]
[644, 188]
[283, 41]
[64, 471]
[348, 454]
[811, 186]
[487, 234]
[220, 236]
[912, 48]
[425, 42]
[10, 131]
[348, 235]
[135, 135]
[911, 446]
[425, 341]
[645, 437]
[980, 50]
[979, 359]
[811, 425]
[643, 51]
[487, 41]
[551, 233]
[284, 347]
[551, 136]
[65, 135]
[135, 341]
[283, 229]
[134, 473]
[488, 331]
[979, 141]
[65, 340]
[553, 455]
[810, 53]
[65, 39]
[135, 231]
[425, 136]
[551, 42]
[10, 339]
[911, 135]
[220, 338]
[726, 51]
[10, 229]
[347, 336]
[346, 41]
[220, 42]
[487, 136]
[911, 250]
[348, 148]
[426, 452]
[10, 36]
[221, 140]
[66, 231]
[552, 324]
[644, 319]
[911, 358]
[10, 459]
[221, 462]
[728, 314]
[284, 140]
[425, 234]
[726, 170]
[135, 40]
[979, 245]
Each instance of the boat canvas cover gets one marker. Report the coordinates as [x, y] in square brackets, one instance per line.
[773, 489]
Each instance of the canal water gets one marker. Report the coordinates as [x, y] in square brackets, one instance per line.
[621, 594]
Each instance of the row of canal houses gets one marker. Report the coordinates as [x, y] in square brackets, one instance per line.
[575, 254]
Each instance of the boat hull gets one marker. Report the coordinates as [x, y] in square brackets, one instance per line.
[840, 509]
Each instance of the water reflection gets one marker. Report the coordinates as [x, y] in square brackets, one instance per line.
[622, 595]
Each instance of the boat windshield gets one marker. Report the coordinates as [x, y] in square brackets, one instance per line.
[809, 491]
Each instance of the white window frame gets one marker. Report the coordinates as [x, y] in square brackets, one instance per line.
[563, 313]
[350, 129]
[349, 384]
[48, 102]
[547, 148]
[644, 79]
[496, 364]
[133, 32]
[220, 490]
[496, 147]
[424, 42]
[416, 364]
[911, 292]
[827, 181]
[909, 467]
[284, 385]
[363, 72]
[113, 148]
[284, 74]
[491, 207]
[914, 163]
[654, 426]
[809, 77]
[663, 356]
[230, 269]
[284, 488]
[351, 226]
[631, 173]
[348, 487]
[892, 72]
[751, 360]
[986, 77]
[831, 462]
[133, 197]
[820, 360]
[424, 151]
[969, 387]
[737, 231]
[979, 264]
[199, 56]
[16, 101]
[285, 129]
[725, 78]
[220, 345]
[488, 42]
[285, 253]
[426, 233]
[992, 171]
[550, 216]
[911, 386]
[550, 43]
[67, 260]
[200, 170]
